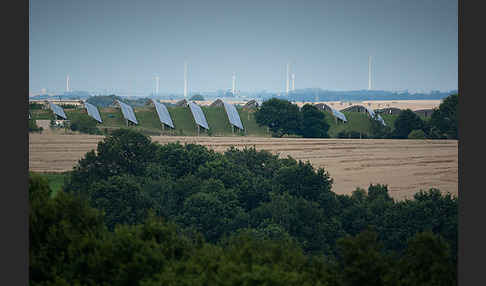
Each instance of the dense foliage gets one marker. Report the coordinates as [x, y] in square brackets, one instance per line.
[71, 245]
[378, 130]
[441, 125]
[313, 124]
[33, 126]
[406, 122]
[284, 118]
[351, 134]
[84, 123]
[221, 194]
[444, 120]
[280, 116]
[35, 106]
[417, 134]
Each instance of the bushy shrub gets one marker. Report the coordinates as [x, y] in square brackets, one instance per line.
[417, 134]
[84, 124]
[352, 134]
[33, 126]
[444, 120]
[407, 121]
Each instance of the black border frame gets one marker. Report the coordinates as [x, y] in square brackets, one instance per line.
[14, 210]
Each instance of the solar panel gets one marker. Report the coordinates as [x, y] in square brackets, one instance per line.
[93, 111]
[338, 114]
[127, 111]
[57, 110]
[378, 117]
[233, 115]
[163, 113]
[381, 120]
[198, 115]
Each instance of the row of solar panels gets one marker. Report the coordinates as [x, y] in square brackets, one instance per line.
[92, 111]
[196, 111]
[162, 112]
[372, 114]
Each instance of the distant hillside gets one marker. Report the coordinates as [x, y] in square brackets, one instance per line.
[360, 95]
[65, 96]
[108, 100]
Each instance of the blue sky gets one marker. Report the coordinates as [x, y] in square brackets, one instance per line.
[122, 45]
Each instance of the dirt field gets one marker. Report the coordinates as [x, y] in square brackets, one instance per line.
[374, 104]
[406, 166]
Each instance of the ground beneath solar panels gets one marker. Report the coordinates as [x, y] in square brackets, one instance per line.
[406, 166]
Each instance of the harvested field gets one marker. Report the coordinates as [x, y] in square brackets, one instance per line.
[406, 166]
[374, 104]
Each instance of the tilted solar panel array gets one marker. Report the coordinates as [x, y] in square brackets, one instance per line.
[198, 115]
[127, 111]
[57, 110]
[93, 111]
[233, 115]
[338, 114]
[163, 113]
[372, 114]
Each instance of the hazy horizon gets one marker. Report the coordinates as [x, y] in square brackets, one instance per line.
[123, 45]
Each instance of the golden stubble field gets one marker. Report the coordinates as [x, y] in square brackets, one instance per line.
[374, 104]
[406, 166]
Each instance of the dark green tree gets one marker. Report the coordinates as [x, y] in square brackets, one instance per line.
[33, 126]
[378, 130]
[314, 124]
[121, 199]
[280, 116]
[444, 120]
[426, 261]
[361, 260]
[124, 152]
[212, 213]
[85, 124]
[407, 121]
[58, 227]
[417, 134]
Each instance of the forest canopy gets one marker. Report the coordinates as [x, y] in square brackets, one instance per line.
[135, 211]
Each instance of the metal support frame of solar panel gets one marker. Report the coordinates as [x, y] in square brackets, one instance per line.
[93, 111]
[198, 115]
[372, 114]
[233, 115]
[57, 110]
[338, 114]
[127, 111]
[163, 113]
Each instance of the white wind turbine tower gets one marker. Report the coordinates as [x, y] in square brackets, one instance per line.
[293, 82]
[67, 84]
[185, 79]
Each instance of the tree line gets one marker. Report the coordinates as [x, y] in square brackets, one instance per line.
[284, 118]
[137, 212]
